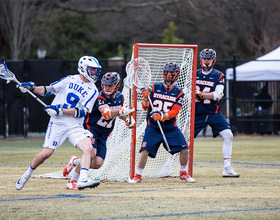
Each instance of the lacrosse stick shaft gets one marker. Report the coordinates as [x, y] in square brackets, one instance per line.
[31, 93]
[160, 128]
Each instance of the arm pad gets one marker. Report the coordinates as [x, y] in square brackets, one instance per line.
[80, 111]
[218, 93]
[48, 91]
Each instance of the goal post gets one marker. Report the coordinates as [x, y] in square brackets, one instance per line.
[157, 55]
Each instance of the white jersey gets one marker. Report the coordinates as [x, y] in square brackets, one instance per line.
[71, 92]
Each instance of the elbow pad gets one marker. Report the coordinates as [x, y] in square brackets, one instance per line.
[217, 95]
[80, 111]
[48, 91]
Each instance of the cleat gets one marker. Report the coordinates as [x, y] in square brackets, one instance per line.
[22, 180]
[185, 176]
[72, 185]
[229, 172]
[136, 179]
[70, 166]
[90, 183]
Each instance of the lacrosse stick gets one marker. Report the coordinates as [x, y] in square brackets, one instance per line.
[7, 75]
[139, 74]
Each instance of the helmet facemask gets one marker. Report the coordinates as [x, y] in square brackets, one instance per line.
[110, 83]
[207, 59]
[90, 68]
[171, 73]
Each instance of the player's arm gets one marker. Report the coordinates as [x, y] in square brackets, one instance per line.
[40, 90]
[112, 113]
[57, 110]
[216, 95]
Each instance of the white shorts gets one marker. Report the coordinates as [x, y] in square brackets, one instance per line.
[58, 133]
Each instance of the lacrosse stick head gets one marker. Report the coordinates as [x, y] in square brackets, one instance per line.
[5, 73]
[138, 73]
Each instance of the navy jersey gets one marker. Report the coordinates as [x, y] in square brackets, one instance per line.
[164, 100]
[95, 121]
[208, 83]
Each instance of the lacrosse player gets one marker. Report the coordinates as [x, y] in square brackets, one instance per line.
[100, 122]
[209, 92]
[167, 102]
[75, 96]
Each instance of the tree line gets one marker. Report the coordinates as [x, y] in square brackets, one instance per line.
[68, 29]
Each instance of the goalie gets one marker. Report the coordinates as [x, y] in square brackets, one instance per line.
[166, 98]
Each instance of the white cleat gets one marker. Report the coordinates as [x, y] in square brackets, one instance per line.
[22, 180]
[185, 176]
[90, 183]
[229, 172]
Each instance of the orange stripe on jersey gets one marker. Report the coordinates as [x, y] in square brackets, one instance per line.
[101, 97]
[87, 124]
[179, 94]
[148, 122]
[221, 76]
[153, 88]
[217, 107]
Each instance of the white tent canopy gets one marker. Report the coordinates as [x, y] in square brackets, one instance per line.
[258, 70]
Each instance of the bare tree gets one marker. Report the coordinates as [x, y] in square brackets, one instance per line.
[20, 21]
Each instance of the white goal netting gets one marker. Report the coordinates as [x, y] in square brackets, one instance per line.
[116, 166]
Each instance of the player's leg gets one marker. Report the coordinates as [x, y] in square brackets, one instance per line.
[227, 150]
[142, 161]
[184, 156]
[37, 161]
[200, 123]
[80, 138]
[53, 140]
[151, 141]
[220, 126]
[177, 144]
[85, 146]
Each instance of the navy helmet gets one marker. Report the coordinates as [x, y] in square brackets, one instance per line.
[171, 67]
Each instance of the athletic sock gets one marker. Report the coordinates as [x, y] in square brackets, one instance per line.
[75, 176]
[183, 168]
[139, 171]
[84, 174]
[227, 162]
[29, 171]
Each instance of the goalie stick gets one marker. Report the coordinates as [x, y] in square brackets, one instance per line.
[7, 75]
[139, 74]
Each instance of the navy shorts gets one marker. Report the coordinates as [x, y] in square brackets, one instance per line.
[153, 138]
[99, 142]
[217, 122]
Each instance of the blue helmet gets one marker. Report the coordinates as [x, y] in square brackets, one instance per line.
[171, 67]
[110, 78]
[207, 54]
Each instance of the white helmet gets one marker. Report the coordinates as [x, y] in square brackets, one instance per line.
[85, 65]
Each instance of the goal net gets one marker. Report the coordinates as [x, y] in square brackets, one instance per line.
[123, 144]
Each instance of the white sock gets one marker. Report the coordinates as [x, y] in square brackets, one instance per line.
[76, 161]
[139, 171]
[83, 174]
[75, 176]
[29, 171]
[227, 162]
[183, 168]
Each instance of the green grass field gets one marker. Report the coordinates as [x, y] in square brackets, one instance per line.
[255, 195]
